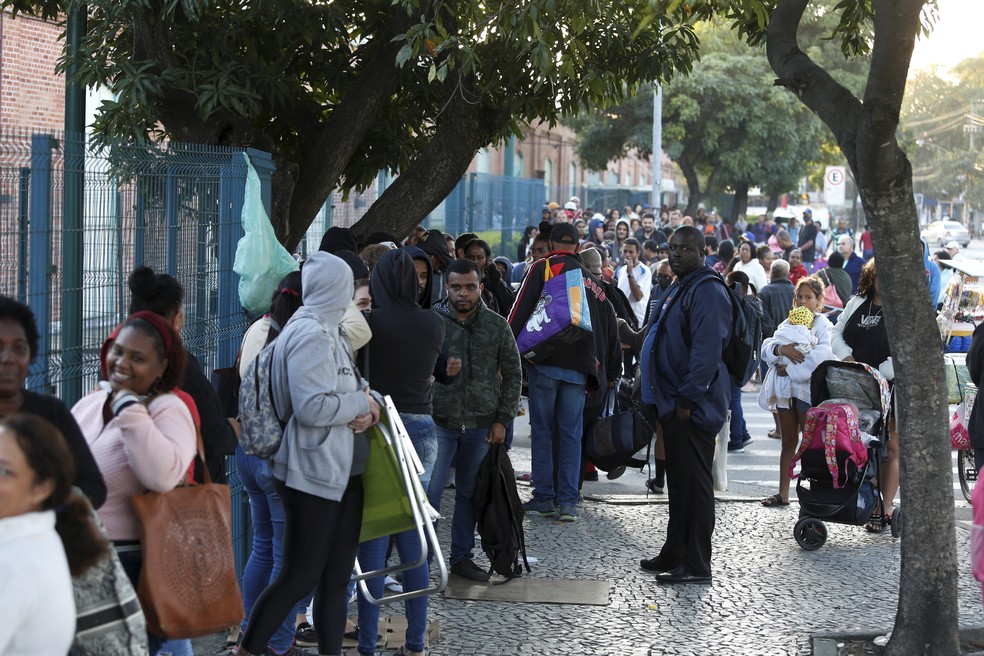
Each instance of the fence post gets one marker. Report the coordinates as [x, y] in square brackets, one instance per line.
[72, 263]
[171, 207]
[471, 204]
[23, 203]
[232, 189]
[39, 269]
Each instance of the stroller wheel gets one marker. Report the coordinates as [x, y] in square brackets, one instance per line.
[810, 533]
[896, 524]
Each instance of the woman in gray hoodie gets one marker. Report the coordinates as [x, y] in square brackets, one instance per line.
[318, 468]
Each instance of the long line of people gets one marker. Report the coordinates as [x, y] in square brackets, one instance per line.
[431, 321]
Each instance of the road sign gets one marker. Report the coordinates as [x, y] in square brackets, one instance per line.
[834, 186]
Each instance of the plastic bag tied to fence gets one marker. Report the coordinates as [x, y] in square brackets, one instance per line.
[261, 261]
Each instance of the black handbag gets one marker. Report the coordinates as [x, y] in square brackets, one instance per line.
[226, 383]
[619, 432]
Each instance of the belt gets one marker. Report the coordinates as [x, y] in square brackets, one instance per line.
[464, 424]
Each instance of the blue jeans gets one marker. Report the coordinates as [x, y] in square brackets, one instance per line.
[372, 555]
[470, 448]
[179, 647]
[423, 436]
[555, 403]
[739, 431]
[267, 515]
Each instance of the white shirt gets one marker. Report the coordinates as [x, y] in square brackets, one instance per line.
[37, 606]
[755, 272]
[644, 279]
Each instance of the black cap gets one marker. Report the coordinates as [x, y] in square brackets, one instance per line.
[564, 233]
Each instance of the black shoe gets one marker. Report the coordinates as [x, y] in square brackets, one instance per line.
[615, 473]
[654, 565]
[591, 475]
[735, 448]
[467, 569]
[680, 574]
[655, 485]
[306, 636]
[748, 440]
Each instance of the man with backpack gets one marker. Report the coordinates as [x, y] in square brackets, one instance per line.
[472, 410]
[686, 386]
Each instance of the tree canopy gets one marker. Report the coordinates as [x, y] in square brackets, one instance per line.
[943, 123]
[340, 90]
[723, 124]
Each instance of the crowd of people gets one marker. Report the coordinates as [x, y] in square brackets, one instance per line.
[432, 320]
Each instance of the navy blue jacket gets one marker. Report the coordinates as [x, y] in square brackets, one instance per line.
[682, 357]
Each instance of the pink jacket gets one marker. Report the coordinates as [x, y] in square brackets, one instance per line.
[145, 447]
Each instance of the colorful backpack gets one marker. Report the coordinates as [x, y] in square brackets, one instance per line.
[832, 428]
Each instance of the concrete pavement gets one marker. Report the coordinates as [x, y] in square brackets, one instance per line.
[767, 598]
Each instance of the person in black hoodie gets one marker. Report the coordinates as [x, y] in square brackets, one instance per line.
[435, 245]
[560, 382]
[339, 239]
[425, 279]
[496, 293]
[406, 344]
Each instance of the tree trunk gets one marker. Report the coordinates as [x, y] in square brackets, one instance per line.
[435, 172]
[926, 619]
[773, 203]
[694, 195]
[740, 204]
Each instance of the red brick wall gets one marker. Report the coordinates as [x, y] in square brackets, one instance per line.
[31, 95]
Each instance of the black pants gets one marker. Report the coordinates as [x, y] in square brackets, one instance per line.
[689, 455]
[321, 540]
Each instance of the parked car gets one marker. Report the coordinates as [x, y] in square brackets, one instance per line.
[940, 232]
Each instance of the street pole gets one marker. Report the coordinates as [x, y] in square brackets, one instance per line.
[657, 147]
[72, 215]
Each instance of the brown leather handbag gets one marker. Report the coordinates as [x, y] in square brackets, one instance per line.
[188, 585]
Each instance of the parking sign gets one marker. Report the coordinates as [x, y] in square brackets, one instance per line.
[834, 186]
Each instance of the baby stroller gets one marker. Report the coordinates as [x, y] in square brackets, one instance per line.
[840, 451]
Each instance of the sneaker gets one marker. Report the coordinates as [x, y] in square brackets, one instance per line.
[736, 448]
[305, 635]
[745, 442]
[568, 514]
[655, 486]
[540, 507]
[392, 585]
[467, 569]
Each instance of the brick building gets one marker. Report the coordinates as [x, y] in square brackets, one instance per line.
[32, 96]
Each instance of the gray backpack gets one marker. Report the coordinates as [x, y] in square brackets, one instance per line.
[260, 427]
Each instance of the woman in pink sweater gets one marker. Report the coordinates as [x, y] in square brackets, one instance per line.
[141, 435]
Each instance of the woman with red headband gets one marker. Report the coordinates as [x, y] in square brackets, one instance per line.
[141, 434]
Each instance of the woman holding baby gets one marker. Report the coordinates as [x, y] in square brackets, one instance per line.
[793, 353]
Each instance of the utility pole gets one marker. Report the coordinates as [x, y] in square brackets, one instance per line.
[72, 214]
[657, 147]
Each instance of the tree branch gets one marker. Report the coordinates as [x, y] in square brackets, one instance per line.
[346, 127]
[815, 88]
[435, 173]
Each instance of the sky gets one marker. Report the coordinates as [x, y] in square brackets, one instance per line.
[955, 37]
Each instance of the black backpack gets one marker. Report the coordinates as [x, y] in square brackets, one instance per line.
[742, 354]
[499, 514]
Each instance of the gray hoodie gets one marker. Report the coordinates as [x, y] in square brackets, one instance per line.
[314, 378]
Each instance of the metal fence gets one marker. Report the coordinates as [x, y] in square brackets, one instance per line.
[175, 208]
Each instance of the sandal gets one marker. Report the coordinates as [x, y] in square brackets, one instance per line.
[774, 501]
[877, 523]
[774, 434]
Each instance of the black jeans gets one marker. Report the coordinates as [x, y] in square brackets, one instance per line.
[689, 456]
[321, 540]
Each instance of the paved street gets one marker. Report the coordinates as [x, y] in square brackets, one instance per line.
[768, 595]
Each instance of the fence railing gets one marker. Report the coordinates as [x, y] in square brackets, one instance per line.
[173, 207]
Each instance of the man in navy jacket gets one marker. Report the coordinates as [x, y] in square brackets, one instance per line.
[686, 386]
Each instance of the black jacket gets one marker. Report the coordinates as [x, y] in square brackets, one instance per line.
[87, 475]
[406, 340]
[777, 301]
[218, 436]
[598, 356]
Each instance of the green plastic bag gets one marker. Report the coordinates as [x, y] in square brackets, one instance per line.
[261, 261]
[386, 506]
